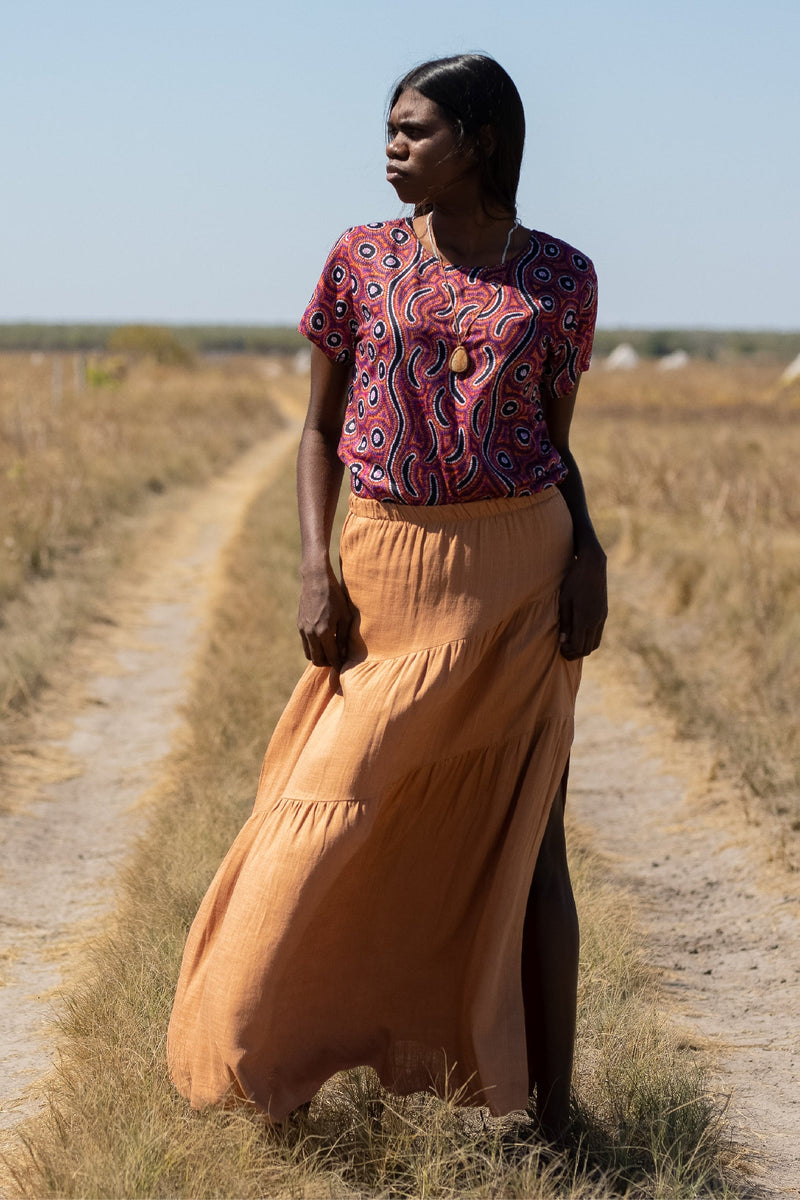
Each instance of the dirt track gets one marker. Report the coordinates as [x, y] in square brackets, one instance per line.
[78, 792]
[721, 922]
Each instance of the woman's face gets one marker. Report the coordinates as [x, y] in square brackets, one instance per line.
[424, 161]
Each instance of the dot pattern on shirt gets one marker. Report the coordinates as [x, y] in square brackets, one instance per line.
[416, 432]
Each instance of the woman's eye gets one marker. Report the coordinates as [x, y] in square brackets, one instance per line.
[411, 133]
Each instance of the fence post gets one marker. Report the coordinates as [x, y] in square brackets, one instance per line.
[57, 382]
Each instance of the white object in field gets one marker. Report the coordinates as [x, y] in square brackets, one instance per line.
[622, 358]
[792, 372]
[674, 361]
[302, 361]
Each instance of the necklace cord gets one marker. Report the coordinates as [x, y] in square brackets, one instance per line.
[459, 360]
[435, 245]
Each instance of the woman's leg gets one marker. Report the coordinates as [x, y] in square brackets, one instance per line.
[550, 975]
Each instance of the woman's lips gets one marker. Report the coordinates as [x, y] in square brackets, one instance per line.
[393, 173]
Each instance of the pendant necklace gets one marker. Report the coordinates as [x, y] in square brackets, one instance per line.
[459, 359]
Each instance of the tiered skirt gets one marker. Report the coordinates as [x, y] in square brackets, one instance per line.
[371, 910]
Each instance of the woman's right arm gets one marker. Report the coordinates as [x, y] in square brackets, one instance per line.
[324, 615]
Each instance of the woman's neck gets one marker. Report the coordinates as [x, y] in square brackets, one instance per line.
[468, 236]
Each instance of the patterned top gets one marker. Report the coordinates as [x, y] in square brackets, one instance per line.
[416, 432]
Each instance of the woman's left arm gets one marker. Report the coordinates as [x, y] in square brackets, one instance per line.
[583, 600]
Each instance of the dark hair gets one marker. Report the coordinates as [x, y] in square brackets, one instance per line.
[473, 91]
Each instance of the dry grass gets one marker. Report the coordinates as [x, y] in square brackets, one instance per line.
[693, 476]
[77, 462]
[645, 1126]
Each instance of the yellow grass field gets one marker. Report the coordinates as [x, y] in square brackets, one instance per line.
[73, 453]
[78, 460]
[645, 1125]
[691, 476]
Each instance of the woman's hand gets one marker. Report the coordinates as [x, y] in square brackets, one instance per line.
[583, 603]
[583, 600]
[324, 615]
[324, 618]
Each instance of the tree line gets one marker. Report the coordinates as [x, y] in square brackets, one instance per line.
[710, 344]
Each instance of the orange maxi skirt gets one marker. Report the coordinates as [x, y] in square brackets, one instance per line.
[371, 910]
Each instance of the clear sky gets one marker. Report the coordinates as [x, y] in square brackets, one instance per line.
[190, 160]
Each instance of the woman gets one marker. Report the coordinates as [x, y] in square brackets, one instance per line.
[380, 907]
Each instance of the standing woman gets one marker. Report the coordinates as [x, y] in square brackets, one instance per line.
[381, 907]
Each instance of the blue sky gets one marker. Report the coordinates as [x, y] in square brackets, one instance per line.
[180, 161]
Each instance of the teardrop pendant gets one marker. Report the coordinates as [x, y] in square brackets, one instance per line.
[459, 361]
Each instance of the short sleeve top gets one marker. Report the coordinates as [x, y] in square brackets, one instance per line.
[415, 431]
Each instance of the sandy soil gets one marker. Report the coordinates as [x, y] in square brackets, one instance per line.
[719, 913]
[720, 918]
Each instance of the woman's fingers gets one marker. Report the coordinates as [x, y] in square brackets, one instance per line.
[591, 639]
[323, 620]
[327, 647]
[580, 633]
[321, 650]
[582, 607]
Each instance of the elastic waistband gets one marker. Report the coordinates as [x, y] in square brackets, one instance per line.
[447, 514]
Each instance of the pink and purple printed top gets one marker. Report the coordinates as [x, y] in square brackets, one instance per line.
[415, 432]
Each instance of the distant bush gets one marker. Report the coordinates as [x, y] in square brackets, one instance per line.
[198, 339]
[106, 372]
[149, 341]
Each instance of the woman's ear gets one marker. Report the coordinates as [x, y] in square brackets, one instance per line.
[487, 140]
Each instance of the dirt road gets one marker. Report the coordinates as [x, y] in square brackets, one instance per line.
[720, 920]
[78, 792]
